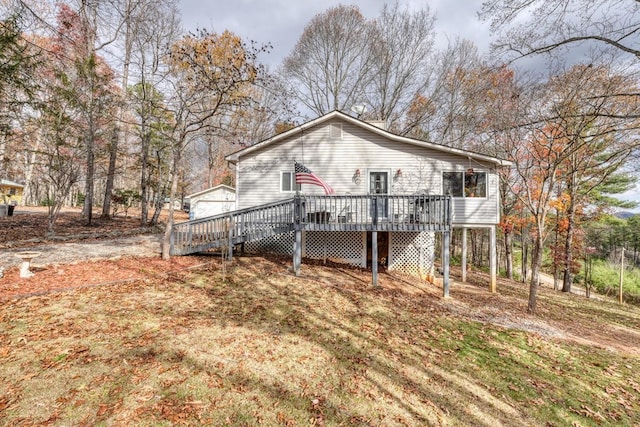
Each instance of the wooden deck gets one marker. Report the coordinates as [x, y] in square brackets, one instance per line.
[402, 213]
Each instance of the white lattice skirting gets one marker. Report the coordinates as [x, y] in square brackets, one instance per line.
[349, 247]
[409, 252]
[281, 244]
[413, 253]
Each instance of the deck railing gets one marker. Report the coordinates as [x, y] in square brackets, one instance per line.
[374, 212]
[232, 227]
[314, 213]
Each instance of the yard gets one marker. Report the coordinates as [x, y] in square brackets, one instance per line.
[262, 347]
[196, 342]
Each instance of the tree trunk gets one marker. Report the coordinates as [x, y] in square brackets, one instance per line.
[88, 16]
[111, 173]
[144, 179]
[3, 149]
[568, 245]
[475, 253]
[556, 247]
[508, 253]
[159, 189]
[88, 188]
[536, 264]
[525, 258]
[27, 191]
[166, 240]
[157, 205]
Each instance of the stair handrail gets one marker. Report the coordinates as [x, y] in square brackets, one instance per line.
[237, 228]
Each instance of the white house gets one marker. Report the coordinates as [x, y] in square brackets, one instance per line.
[358, 158]
[212, 201]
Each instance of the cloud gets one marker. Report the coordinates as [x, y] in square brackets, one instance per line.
[281, 22]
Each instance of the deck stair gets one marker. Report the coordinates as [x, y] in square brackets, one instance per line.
[232, 228]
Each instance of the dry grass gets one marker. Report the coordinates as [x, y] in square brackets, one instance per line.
[263, 347]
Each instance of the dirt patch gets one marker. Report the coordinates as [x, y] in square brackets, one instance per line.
[78, 255]
[146, 245]
[560, 315]
[78, 275]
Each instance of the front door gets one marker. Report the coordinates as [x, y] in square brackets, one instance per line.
[379, 184]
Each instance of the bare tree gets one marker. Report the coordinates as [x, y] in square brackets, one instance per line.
[129, 12]
[330, 65]
[444, 113]
[498, 111]
[541, 26]
[154, 28]
[241, 127]
[402, 49]
[59, 161]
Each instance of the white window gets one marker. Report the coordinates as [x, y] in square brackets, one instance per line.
[288, 182]
[464, 184]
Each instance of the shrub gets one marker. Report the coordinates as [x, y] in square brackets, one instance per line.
[606, 278]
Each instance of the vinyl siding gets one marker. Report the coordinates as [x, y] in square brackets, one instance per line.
[336, 161]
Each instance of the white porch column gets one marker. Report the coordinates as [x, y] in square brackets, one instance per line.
[493, 258]
[463, 261]
[446, 241]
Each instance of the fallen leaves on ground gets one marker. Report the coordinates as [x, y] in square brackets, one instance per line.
[28, 226]
[66, 277]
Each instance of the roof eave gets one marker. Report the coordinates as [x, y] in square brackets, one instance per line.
[215, 187]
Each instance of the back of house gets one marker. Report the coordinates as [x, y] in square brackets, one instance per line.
[355, 157]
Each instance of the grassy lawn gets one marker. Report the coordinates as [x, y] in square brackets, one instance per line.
[259, 346]
[606, 279]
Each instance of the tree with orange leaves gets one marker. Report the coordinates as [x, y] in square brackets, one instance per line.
[211, 74]
[539, 165]
[598, 141]
[575, 143]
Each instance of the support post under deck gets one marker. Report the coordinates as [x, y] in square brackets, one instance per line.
[297, 242]
[493, 259]
[446, 241]
[374, 258]
[230, 229]
[463, 259]
[297, 252]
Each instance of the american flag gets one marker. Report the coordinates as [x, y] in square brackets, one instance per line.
[305, 176]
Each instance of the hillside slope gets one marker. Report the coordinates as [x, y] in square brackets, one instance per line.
[251, 344]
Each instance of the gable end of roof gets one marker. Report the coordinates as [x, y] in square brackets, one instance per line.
[235, 157]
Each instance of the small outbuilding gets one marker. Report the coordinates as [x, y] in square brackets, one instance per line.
[10, 192]
[212, 201]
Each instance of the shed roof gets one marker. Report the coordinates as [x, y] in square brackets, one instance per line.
[235, 157]
[212, 189]
[7, 183]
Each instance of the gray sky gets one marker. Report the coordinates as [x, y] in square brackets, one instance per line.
[281, 22]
